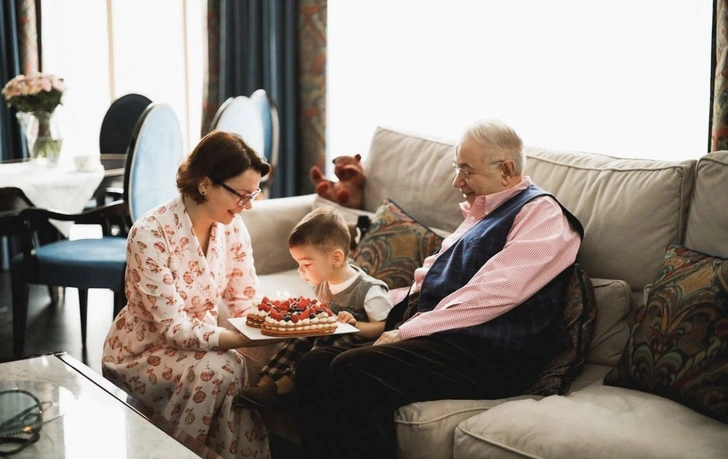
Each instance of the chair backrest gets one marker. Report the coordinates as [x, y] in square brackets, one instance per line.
[12, 202]
[13, 199]
[271, 128]
[155, 152]
[119, 122]
[241, 116]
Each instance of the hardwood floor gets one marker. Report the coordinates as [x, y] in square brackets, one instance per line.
[53, 328]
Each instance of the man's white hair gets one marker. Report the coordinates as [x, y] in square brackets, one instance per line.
[498, 141]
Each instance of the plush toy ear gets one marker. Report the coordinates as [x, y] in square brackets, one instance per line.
[316, 174]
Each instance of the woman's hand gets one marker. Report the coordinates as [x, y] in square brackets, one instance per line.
[346, 317]
[233, 339]
[389, 337]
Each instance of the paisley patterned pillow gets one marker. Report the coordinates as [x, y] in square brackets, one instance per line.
[678, 348]
[394, 246]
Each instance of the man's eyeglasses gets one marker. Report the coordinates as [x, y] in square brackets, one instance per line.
[242, 198]
[466, 174]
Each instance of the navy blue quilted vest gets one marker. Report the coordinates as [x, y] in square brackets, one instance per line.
[527, 327]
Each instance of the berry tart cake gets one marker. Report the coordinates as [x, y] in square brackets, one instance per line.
[293, 316]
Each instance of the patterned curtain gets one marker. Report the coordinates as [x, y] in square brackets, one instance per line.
[277, 45]
[313, 90]
[20, 53]
[29, 37]
[719, 103]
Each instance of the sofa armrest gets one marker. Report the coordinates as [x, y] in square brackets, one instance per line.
[269, 223]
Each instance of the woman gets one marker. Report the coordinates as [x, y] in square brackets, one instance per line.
[166, 347]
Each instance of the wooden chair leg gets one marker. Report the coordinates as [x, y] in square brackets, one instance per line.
[83, 307]
[20, 312]
[53, 292]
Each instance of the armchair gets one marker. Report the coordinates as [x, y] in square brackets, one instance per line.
[114, 139]
[255, 118]
[82, 263]
[149, 180]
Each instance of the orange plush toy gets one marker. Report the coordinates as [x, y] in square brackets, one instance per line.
[349, 190]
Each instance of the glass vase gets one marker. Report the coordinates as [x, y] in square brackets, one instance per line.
[42, 132]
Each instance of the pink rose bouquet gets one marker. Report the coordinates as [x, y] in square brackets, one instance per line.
[35, 92]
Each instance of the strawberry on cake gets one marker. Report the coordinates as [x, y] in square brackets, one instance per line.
[293, 316]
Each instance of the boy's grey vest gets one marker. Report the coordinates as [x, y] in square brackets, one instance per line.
[352, 298]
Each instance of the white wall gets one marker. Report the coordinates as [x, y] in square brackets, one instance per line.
[157, 50]
[629, 78]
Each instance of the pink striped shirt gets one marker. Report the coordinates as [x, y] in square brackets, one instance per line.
[539, 246]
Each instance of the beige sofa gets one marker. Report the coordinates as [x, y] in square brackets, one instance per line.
[631, 209]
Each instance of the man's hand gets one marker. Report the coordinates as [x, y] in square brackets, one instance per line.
[346, 317]
[392, 336]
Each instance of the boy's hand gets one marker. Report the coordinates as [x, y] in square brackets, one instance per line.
[346, 317]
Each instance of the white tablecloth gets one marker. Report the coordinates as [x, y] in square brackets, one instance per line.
[58, 188]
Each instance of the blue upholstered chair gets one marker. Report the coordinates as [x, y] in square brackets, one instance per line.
[117, 128]
[271, 127]
[12, 201]
[256, 120]
[156, 151]
[154, 155]
[240, 115]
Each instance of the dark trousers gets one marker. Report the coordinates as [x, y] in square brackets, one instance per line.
[347, 394]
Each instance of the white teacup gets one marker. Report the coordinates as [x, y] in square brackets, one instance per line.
[86, 163]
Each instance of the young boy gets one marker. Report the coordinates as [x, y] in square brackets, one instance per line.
[320, 245]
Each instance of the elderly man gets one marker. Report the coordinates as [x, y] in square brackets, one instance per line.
[482, 318]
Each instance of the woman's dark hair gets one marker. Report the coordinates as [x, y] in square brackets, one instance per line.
[219, 156]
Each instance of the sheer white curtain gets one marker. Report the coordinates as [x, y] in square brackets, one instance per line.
[104, 50]
[626, 78]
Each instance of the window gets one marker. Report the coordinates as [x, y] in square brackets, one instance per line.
[151, 48]
[623, 78]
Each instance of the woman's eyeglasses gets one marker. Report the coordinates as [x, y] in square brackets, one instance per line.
[242, 198]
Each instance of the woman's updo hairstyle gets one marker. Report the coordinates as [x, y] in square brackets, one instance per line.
[220, 155]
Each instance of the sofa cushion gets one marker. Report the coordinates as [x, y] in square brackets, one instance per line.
[269, 223]
[613, 322]
[707, 223]
[425, 429]
[414, 171]
[579, 314]
[394, 246]
[590, 374]
[679, 346]
[595, 422]
[630, 208]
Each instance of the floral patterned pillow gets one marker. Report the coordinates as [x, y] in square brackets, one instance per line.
[394, 246]
[678, 348]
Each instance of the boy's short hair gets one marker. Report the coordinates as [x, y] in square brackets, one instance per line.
[323, 228]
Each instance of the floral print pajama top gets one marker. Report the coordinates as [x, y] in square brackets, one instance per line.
[161, 348]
